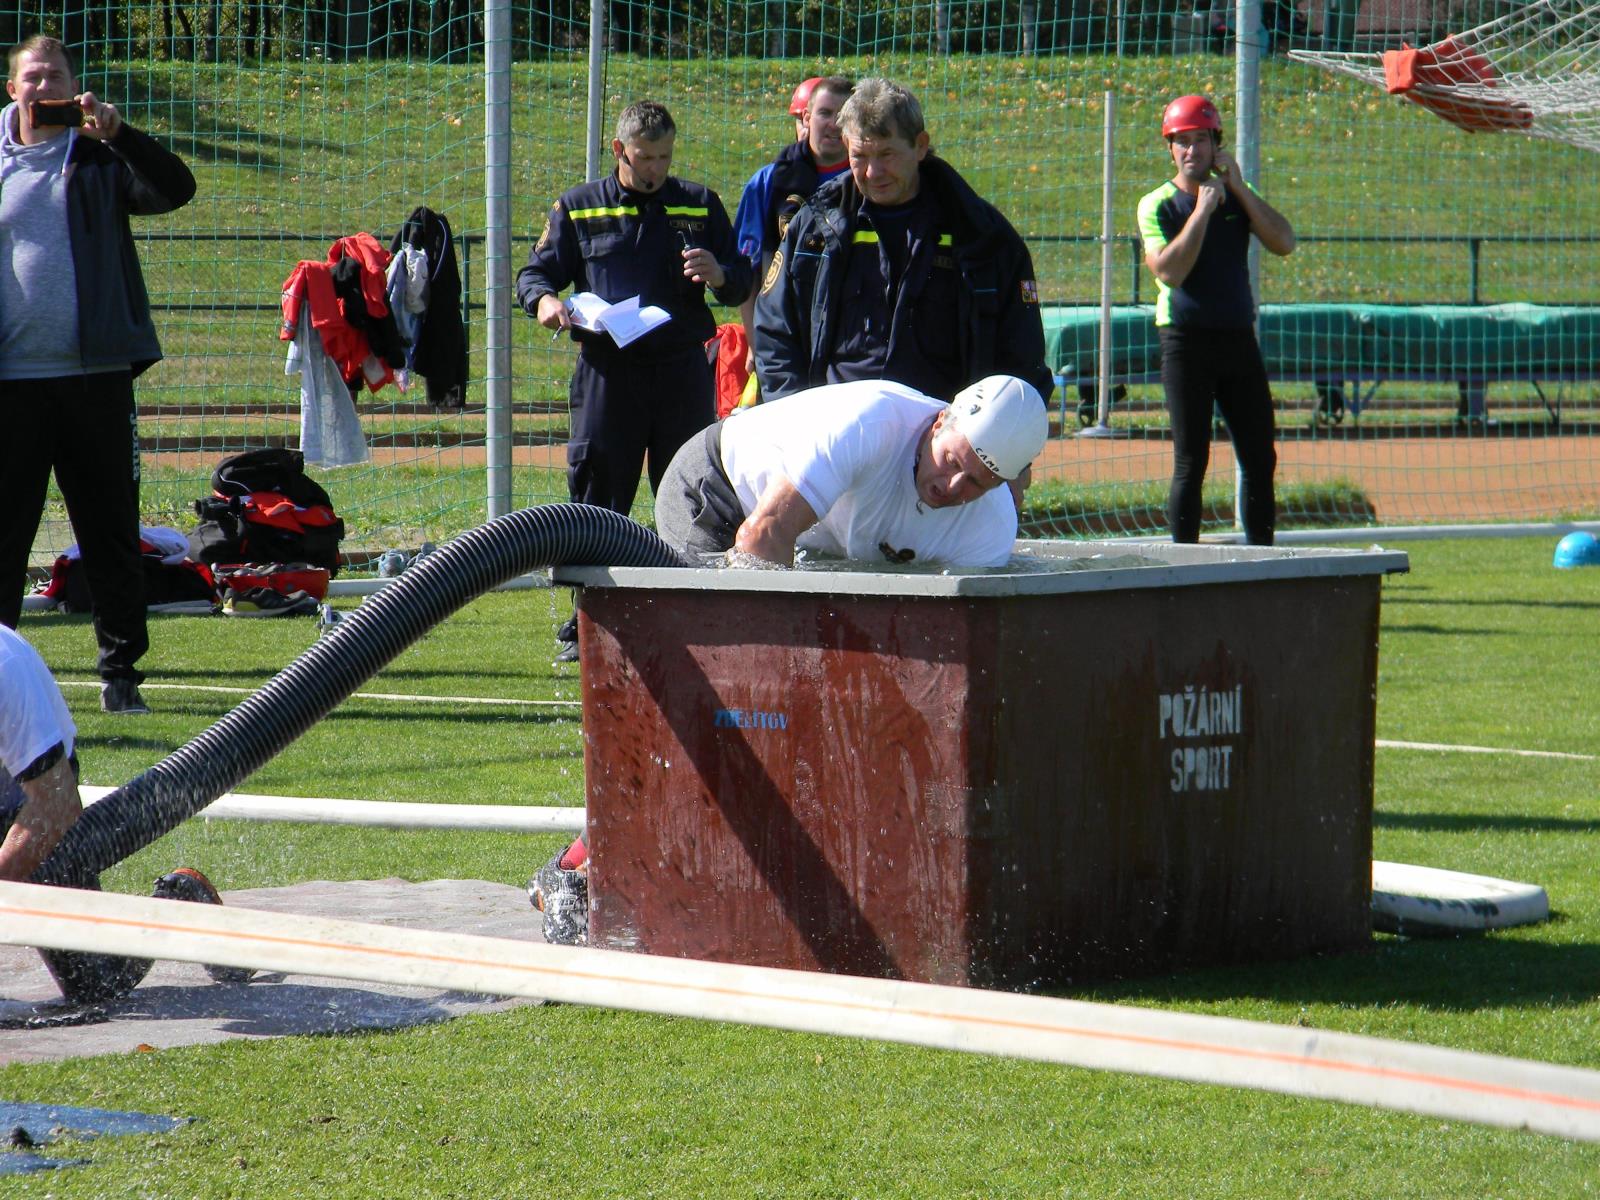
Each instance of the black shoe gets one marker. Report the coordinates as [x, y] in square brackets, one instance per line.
[186, 883]
[266, 602]
[567, 653]
[563, 897]
[569, 629]
[122, 696]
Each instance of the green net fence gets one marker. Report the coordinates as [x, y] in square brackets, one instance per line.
[1433, 340]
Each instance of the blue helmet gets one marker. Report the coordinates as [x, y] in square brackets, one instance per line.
[1578, 550]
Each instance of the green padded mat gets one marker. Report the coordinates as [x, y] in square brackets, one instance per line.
[1356, 341]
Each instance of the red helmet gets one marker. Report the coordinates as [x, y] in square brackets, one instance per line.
[802, 96]
[1190, 112]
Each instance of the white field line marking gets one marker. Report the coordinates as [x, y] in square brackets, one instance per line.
[385, 814]
[1381, 743]
[400, 696]
[1384, 744]
[1432, 1080]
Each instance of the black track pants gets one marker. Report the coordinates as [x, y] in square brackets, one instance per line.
[626, 410]
[1222, 367]
[82, 427]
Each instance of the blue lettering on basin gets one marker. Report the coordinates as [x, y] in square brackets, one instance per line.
[749, 718]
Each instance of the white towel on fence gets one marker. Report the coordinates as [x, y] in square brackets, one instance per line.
[330, 431]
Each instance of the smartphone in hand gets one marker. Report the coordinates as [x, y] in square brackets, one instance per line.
[56, 112]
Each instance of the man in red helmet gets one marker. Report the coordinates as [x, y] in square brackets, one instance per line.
[799, 102]
[1196, 229]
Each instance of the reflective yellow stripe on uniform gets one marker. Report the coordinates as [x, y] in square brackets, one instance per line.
[595, 214]
[628, 210]
[865, 237]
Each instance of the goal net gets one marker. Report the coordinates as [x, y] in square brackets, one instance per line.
[1535, 70]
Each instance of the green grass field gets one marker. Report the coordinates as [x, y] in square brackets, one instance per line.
[1482, 644]
[317, 148]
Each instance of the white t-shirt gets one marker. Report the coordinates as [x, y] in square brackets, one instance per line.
[850, 450]
[33, 716]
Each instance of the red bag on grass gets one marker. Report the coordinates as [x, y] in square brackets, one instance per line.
[278, 577]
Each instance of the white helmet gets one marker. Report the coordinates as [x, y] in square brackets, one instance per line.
[1004, 419]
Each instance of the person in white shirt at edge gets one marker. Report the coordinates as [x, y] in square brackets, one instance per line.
[38, 769]
[868, 470]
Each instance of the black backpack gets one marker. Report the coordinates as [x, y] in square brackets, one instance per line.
[271, 470]
[264, 508]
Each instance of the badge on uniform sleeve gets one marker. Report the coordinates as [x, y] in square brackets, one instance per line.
[787, 211]
[1030, 291]
[545, 236]
[773, 271]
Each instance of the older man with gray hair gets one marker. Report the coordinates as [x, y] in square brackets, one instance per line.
[897, 270]
[868, 470]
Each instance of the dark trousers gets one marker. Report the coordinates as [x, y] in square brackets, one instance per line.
[626, 411]
[698, 513]
[82, 427]
[1202, 368]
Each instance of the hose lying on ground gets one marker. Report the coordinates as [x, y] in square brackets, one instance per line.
[305, 691]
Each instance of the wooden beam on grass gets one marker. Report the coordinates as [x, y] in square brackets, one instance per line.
[1407, 1077]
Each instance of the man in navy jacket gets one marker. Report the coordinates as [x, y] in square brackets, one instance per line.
[897, 270]
[641, 231]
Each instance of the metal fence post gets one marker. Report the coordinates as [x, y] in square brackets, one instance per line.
[497, 256]
[1108, 225]
[597, 89]
[1247, 153]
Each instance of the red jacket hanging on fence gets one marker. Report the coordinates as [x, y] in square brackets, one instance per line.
[311, 286]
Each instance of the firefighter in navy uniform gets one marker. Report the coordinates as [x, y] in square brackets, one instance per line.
[638, 232]
[897, 270]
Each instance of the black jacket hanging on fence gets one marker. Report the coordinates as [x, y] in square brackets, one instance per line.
[441, 344]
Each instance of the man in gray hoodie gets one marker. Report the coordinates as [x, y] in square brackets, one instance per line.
[72, 342]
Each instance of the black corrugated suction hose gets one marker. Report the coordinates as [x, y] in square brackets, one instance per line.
[305, 691]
